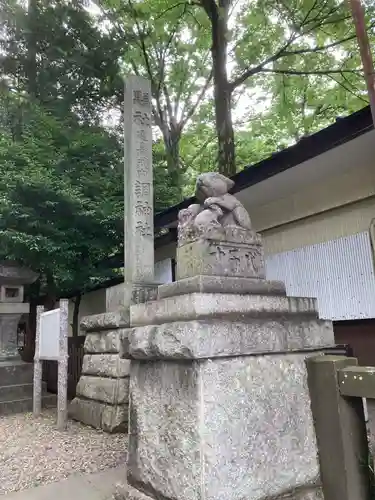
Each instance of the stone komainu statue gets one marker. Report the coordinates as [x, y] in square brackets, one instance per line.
[216, 208]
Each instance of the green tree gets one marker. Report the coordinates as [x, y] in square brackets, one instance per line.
[57, 54]
[172, 51]
[61, 201]
[262, 46]
[298, 38]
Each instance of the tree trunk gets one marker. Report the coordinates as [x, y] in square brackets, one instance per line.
[31, 66]
[222, 91]
[75, 325]
[51, 297]
[171, 140]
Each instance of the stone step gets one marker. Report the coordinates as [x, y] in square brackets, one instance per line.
[15, 373]
[25, 405]
[16, 392]
[19, 391]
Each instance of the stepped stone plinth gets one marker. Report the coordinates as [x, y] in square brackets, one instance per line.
[16, 376]
[219, 403]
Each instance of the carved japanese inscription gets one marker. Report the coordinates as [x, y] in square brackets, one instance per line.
[139, 245]
[218, 258]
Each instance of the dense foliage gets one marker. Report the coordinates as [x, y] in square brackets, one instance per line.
[219, 66]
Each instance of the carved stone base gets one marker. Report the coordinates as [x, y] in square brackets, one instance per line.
[124, 491]
[102, 390]
[109, 418]
[218, 257]
[221, 284]
[219, 402]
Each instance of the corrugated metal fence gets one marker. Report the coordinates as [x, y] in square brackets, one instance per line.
[339, 273]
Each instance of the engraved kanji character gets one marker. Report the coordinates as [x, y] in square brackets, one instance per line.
[146, 99]
[146, 188]
[138, 188]
[141, 134]
[141, 148]
[137, 97]
[141, 118]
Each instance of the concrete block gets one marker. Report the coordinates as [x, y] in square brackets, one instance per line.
[17, 391]
[16, 372]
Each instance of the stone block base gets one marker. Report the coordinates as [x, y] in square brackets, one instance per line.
[126, 492]
[103, 388]
[221, 284]
[309, 493]
[242, 428]
[109, 418]
[107, 390]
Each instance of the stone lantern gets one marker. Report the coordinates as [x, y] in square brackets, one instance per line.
[12, 281]
[16, 377]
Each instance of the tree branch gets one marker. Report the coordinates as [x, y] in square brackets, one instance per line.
[143, 47]
[178, 4]
[320, 48]
[317, 72]
[256, 69]
[172, 118]
[311, 9]
[201, 95]
[284, 53]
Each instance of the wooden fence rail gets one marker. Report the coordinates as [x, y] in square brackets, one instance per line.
[337, 386]
[76, 353]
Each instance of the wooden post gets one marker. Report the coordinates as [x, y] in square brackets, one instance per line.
[62, 375]
[358, 14]
[38, 367]
[340, 431]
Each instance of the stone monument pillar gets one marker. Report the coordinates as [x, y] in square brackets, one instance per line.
[16, 377]
[219, 403]
[103, 389]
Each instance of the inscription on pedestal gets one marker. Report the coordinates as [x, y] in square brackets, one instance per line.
[210, 257]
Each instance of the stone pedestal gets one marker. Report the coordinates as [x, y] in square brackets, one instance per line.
[103, 388]
[232, 251]
[219, 404]
[102, 399]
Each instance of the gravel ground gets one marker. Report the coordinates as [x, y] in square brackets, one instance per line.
[34, 452]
